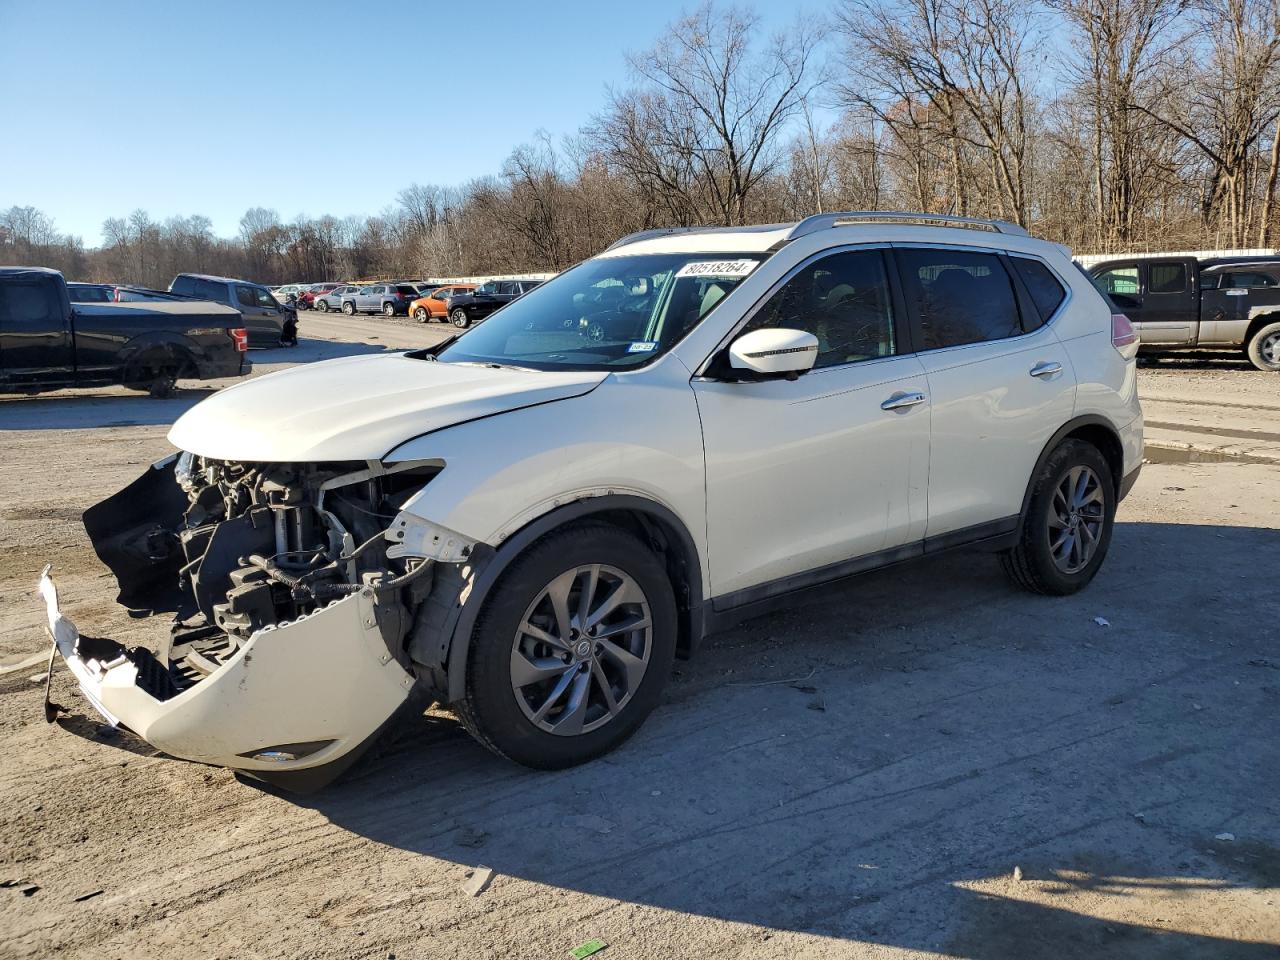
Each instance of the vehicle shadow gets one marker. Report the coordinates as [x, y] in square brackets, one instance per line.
[872, 764]
[119, 407]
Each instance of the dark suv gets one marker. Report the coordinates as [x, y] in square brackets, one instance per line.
[466, 309]
[265, 317]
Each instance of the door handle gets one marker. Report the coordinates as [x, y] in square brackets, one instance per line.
[1046, 369]
[901, 401]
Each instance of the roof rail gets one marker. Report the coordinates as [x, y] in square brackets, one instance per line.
[650, 234]
[824, 221]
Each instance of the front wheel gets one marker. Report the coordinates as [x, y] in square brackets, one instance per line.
[459, 318]
[1067, 527]
[1263, 348]
[349, 309]
[420, 315]
[572, 648]
[322, 306]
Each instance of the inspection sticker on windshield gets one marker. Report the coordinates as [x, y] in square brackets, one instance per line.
[717, 268]
[642, 346]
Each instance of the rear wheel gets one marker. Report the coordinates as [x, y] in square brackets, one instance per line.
[349, 308]
[388, 309]
[459, 318]
[572, 648]
[1263, 348]
[421, 315]
[1067, 527]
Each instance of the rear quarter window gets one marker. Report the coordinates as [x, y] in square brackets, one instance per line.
[1047, 292]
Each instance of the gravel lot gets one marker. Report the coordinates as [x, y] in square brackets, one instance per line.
[859, 776]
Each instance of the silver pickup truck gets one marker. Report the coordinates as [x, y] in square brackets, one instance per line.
[1184, 303]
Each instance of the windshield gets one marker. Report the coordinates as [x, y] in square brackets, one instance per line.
[612, 312]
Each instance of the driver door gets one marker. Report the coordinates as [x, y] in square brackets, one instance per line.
[817, 477]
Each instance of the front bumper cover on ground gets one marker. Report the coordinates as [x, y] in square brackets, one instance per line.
[297, 696]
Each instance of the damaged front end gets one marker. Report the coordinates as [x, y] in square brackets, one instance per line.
[290, 603]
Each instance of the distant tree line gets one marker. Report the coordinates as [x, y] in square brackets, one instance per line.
[1104, 124]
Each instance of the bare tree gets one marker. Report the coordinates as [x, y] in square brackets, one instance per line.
[705, 122]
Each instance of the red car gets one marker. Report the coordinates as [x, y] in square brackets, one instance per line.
[307, 297]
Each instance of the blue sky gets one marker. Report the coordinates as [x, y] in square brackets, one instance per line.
[307, 107]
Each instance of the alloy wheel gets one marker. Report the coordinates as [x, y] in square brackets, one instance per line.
[1077, 514]
[581, 650]
[1270, 349]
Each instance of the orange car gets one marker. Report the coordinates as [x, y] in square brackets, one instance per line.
[432, 306]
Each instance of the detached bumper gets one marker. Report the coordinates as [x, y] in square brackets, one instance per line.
[296, 697]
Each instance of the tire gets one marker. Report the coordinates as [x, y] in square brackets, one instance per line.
[459, 318]
[349, 308]
[322, 306]
[1263, 349]
[421, 315]
[1059, 555]
[161, 388]
[504, 716]
[388, 310]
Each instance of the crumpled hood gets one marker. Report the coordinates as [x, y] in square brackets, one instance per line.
[359, 408]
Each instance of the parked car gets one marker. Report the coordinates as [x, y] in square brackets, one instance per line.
[324, 302]
[268, 321]
[307, 297]
[528, 524]
[386, 298]
[1181, 303]
[49, 341]
[91, 292]
[288, 294]
[434, 305]
[468, 308]
[128, 293]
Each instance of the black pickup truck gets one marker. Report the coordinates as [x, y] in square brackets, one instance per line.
[1183, 303]
[47, 342]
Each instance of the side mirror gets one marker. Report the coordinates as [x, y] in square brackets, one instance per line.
[774, 353]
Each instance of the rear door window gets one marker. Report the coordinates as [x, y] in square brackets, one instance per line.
[1046, 290]
[958, 297]
[245, 297]
[1168, 278]
[184, 285]
[29, 306]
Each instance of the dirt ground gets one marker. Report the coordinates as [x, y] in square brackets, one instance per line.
[922, 762]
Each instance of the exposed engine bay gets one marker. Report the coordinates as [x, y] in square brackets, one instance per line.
[232, 548]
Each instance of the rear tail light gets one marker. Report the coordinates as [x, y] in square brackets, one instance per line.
[240, 337]
[1123, 337]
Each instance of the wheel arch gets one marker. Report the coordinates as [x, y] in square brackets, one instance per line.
[1257, 323]
[654, 523]
[178, 351]
[1094, 429]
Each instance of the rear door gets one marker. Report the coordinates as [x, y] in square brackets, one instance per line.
[1171, 305]
[36, 345]
[261, 320]
[1000, 384]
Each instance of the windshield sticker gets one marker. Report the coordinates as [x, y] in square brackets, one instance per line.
[642, 346]
[717, 268]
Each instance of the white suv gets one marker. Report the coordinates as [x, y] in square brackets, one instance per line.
[531, 520]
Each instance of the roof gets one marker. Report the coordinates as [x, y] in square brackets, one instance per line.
[869, 225]
[30, 272]
[216, 279]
